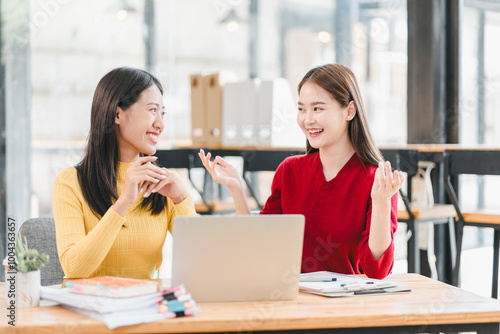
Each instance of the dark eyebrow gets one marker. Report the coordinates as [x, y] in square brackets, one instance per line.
[156, 104]
[314, 103]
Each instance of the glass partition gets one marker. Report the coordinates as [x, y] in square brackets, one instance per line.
[479, 123]
[74, 43]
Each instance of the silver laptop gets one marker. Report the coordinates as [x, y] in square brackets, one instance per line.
[238, 258]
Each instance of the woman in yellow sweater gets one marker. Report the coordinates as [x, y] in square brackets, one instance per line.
[113, 210]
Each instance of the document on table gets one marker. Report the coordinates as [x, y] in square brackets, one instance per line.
[339, 285]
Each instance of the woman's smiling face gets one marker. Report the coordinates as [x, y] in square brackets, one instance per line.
[322, 119]
[139, 126]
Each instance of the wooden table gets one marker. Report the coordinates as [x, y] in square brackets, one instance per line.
[432, 306]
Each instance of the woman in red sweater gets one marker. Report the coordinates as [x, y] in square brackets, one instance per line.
[349, 204]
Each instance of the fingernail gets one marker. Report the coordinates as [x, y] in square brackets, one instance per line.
[142, 189]
[146, 194]
[154, 190]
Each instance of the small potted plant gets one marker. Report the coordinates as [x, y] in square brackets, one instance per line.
[28, 264]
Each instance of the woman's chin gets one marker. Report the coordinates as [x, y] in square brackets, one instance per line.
[313, 145]
[149, 151]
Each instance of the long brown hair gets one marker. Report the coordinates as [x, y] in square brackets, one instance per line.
[97, 172]
[341, 83]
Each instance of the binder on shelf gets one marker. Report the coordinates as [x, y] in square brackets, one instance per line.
[249, 113]
[239, 106]
[198, 110]
[277, 115]
[213, 93]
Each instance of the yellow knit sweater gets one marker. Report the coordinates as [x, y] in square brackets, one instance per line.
[113, 245]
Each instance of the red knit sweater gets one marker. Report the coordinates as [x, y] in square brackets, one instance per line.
[337, 212]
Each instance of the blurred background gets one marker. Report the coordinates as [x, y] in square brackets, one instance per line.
[54, 52]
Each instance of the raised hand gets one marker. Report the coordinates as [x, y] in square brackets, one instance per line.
[385, 185]
[386, 182]
[221, 171]
[227, 175]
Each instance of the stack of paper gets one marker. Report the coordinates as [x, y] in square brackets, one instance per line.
[122, 311]
[339, 285]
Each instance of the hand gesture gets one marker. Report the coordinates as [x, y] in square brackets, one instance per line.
[221, 171]
[141, 172]
[386, 183]
[170, 186]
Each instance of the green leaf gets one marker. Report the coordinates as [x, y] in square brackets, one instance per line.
[28, 259]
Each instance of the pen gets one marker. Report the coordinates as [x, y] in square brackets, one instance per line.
[318, 279]
[369, 292]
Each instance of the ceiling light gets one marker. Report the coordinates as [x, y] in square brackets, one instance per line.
[124, 10]
[232, 21]
[121, 14]
[324, 36]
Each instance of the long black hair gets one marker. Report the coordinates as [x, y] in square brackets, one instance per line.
[97, 172]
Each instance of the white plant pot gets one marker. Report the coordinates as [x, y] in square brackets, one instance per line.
[28, 289]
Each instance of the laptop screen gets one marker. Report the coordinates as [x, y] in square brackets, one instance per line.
[238, 258]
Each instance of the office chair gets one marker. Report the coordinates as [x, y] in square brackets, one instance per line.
[406, 160]
[475, 162]
[41, 235]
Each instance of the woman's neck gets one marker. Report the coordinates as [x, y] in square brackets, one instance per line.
[128, 156]
[333, 159]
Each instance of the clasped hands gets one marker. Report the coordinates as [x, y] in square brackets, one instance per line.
[144, 176]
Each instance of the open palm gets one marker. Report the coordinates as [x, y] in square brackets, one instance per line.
[386, 182]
